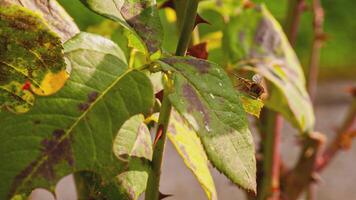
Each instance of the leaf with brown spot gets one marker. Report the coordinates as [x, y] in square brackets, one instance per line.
[67, 139]
[204, 96]
[139, 16]
[192, 152]
[31, 59]
[255, 41]
[56, 17]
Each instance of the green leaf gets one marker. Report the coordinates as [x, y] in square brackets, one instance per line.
[255, 38]
[139, 16]
[31, 59]
[74, 130]
[225, 7]
[56, 17]
[192, 152]
[205, 97]
[133, 144]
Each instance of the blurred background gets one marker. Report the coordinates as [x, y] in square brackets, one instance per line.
[337, 74]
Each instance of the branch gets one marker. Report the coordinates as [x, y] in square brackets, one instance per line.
[271, 133]
[343, 139]
[312, 160]
[302, 174]
[319, 37]
[271, 166]
[295, 9]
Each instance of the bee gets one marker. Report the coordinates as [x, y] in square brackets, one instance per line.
[253, 88]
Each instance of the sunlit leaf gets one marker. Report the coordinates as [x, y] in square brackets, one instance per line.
[139, 16]
[74, 130]
[191, 150]
[133, 143]
[205, 97]
[189, 147]
[254, 38]
[252, 106]
[55, 16]
[31, 59]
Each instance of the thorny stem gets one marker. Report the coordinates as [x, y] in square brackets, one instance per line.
[342, 140]
[271, 149]
[298, 179]
[152, 191]
[295, 9]
[188, 26]
[271, 155]
[312, 72]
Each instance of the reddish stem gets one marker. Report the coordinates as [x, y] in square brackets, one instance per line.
[318, 22]
[295, 9]
[348, 127]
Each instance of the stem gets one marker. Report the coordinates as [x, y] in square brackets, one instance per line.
[303, 174]
[188, 26]
[274, 121]
[348, 126]
[295, 9]
[271, 155]
[152, 191]
[312, 72]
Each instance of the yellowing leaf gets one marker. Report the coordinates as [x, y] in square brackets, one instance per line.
[192, 152]
[256, 39]
[56, 17]
[51, 83]
[203, 94]
[252, 106]
[31, 59]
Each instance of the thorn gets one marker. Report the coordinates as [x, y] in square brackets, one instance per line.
[162, 196]
[248, 4]
[26, 85]
[158, 134]
[323, 37]
[198, 51]
[200, 20]
[159, 95]
[351, 90]
[315, 177]
[167, 4]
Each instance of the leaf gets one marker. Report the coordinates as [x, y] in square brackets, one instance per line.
[205, 97]
[139, 16]
[251, 105]
[133, 144]
[56, 17]
[192, 152]
[74, 130]
[255, 38]
[225, 7]
[31, 59]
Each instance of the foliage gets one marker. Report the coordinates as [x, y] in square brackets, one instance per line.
[97, 124]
